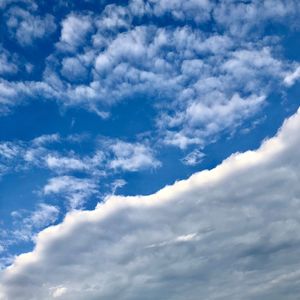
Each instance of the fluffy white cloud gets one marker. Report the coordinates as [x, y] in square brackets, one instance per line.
[74, 32]
[202, 122]
[132, 157]
[27, 27]
[226, 233]
[74, 69]
[64, 164]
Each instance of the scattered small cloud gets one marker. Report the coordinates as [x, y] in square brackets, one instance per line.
[193, 158]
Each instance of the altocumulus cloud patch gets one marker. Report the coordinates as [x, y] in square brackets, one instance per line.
[228, 233]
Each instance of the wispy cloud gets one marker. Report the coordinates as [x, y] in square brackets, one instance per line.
[75, 190]
[27, 223]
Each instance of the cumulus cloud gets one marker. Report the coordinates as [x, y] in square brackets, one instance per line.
[224, 233]
[75, 28]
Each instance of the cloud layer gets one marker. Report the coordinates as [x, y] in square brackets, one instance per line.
[228, 233]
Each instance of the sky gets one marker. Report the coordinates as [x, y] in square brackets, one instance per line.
[149, 149]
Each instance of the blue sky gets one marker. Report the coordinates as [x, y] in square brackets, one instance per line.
[103, 98]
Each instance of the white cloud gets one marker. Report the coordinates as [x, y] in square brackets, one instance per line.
[240, 17]
[63, 164]
[8, 62]
[222, 233]
[59, 291]
[195, 10]
[29, 3]
[60, 156]
[14, 93]
[132, 157]
[114, 18]
[28, 223]
[75, 190]
[26, 27]
[8, 150]
[46, 139]
[201, 123]
[292, 77]
[73, 69]
[118, 183]
[74, 31]
[193, 158]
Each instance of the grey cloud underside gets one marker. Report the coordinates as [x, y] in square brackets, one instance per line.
[228, 233]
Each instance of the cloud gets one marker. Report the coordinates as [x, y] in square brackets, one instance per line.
[241, 17]
[29, 3]
[292, 77]
[193, 158]
[8, 62]
[15, 93]
[114, 18]
[8, 150]
[190, 10]
[220, 234]
[200, 122]
[27, 28]
[132, 157]
[75, 28]
[65, 164]
[75, 190]
[27, 224]
[59, 291]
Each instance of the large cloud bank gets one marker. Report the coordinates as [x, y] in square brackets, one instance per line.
[228, 233]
